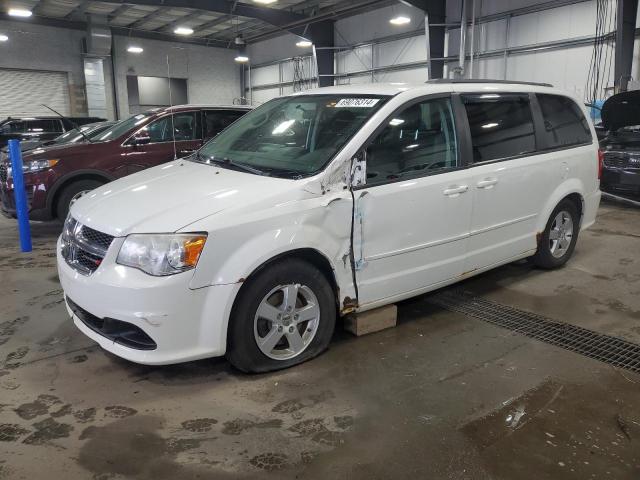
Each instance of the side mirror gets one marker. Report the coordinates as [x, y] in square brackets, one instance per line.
[140, 138]
[358, 171]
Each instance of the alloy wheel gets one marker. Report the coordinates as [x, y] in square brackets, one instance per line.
[286, 321]
[561, 234]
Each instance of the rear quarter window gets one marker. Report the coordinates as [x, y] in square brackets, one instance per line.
[564, 123]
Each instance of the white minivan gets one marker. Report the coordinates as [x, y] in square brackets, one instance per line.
[322, 203]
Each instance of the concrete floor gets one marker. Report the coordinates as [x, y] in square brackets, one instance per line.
[439, 396]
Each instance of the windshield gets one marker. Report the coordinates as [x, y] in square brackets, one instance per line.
[122, 127]
[74, 135]
[294, 136]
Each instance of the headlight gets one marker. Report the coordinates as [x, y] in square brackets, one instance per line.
[36, 165]
[162, 254]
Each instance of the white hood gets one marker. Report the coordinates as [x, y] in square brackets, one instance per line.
[170, 196]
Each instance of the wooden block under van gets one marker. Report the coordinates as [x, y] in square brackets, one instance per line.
[372, 320]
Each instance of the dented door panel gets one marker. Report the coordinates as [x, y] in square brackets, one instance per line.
[414, 235]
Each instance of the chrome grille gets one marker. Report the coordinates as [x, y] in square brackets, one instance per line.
[83, 248]
[621, 159]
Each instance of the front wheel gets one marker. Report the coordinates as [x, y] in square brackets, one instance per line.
[71, 193]
[559, 238]
[283, 316]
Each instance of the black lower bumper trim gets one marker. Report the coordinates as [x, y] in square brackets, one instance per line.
[124, 333]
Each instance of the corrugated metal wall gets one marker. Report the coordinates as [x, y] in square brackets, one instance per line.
[525, 40]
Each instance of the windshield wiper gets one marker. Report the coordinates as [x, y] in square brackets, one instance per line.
[225, 161]
[285, 173]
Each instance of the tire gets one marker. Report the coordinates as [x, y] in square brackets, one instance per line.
[267, 290]
[552, 253]
[71, 193]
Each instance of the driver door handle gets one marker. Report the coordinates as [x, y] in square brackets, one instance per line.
[487, 183]
[455, 190]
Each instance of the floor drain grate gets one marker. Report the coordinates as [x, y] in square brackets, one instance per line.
[612, 350]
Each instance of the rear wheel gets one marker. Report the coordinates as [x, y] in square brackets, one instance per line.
[282, 317]
[71, 193]
[559, 237]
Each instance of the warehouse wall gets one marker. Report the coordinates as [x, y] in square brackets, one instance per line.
[35, 47]
[213, 76]
[388, 53]
[564, 66]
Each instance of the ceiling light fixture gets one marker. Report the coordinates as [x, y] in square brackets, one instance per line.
[133, 49]
[304, 43]
[241, 56]
[400, 20]
[183, 31]
[3, 38]
[20, 12]
[265, 2]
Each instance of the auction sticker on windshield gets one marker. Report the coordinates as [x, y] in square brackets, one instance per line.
[357, 102]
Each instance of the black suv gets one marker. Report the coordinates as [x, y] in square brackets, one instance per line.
[620, 144]
[39, 128]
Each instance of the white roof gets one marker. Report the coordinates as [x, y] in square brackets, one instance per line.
[417, 89]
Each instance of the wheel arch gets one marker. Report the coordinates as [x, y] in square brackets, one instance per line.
[68, 179]
[572, 190]
[309, 255]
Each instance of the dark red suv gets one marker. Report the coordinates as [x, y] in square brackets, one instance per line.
[55, 176]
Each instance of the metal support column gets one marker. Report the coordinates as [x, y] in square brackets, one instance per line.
[434, 29]
[625, 32]
[322, 34]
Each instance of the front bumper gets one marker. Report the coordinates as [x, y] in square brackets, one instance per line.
[183, 324]
[36, 201]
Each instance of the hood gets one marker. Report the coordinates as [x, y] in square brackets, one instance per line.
[169, 197]
[53, 151]
[621, 110]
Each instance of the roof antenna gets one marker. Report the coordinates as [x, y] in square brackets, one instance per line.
[73, 124]
[173, 128]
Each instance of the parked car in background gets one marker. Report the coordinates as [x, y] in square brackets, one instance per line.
[57, 175]
[322, 203]
[621, 143]
[40, 128]
[75, 135]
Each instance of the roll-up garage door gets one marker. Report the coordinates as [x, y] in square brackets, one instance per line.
[22, 93]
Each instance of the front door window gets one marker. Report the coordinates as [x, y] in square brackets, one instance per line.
[417, 141]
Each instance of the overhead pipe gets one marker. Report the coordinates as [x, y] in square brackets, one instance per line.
[463, 38]
[473, 31]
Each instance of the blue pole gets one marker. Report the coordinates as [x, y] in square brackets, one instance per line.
[22, 209]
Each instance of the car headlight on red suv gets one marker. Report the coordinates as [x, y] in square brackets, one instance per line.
[32, 166]
[162, 254]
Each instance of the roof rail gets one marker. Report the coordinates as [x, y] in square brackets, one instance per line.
[476, 80]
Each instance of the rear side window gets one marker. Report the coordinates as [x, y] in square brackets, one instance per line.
[501, 125]
[12, 127]
[217, 120]
[564, 122]
[47, 126]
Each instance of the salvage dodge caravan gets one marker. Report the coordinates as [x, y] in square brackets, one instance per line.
[323, 203]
